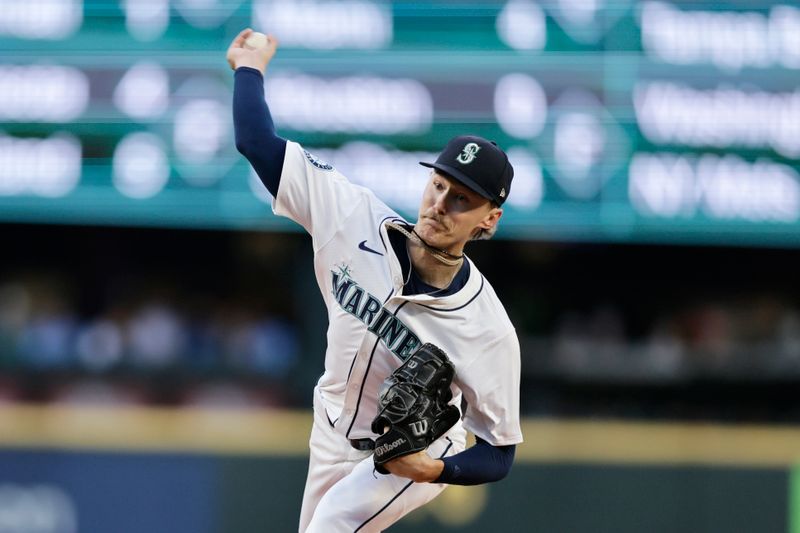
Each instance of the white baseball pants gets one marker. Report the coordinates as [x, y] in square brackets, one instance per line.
[343, 492]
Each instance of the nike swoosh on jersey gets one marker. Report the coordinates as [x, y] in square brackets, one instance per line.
[363, 246]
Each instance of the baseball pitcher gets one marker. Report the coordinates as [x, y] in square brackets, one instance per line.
[420, 350]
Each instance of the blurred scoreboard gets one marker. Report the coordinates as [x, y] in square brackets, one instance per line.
[645, 121]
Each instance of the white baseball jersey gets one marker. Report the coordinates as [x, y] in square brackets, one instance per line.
[373, 327]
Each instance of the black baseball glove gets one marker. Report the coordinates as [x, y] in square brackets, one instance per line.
[413, 408]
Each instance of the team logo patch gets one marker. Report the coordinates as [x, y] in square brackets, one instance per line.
[317, 162]
[468, 154]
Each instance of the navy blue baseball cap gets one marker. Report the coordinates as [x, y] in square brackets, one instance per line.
[477, 163]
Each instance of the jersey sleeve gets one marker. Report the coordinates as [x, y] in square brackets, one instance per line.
[490, 385]
[314, 194]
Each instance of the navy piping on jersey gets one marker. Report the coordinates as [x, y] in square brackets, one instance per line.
[449, 445]
[460, 306]
[366, 373]
[380, 225]
[352, 364]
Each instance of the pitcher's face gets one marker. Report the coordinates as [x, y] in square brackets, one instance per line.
[450, 213]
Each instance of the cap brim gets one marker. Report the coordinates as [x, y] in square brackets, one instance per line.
[460, 176]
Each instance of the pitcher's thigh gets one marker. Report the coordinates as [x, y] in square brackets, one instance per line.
[366, 501]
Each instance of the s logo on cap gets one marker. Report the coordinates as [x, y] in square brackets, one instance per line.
[468, 154]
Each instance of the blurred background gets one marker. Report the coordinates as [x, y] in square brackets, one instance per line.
[161, 330]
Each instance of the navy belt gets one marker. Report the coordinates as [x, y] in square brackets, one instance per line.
[365, 445]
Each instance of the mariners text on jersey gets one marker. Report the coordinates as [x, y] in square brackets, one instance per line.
[397, 337]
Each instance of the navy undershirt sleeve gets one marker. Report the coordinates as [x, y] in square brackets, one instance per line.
[254, 129]
[482, 463]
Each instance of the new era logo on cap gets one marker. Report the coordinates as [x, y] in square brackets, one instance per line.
[477, 163]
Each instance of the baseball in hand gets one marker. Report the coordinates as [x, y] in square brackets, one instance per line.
[256, 40]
